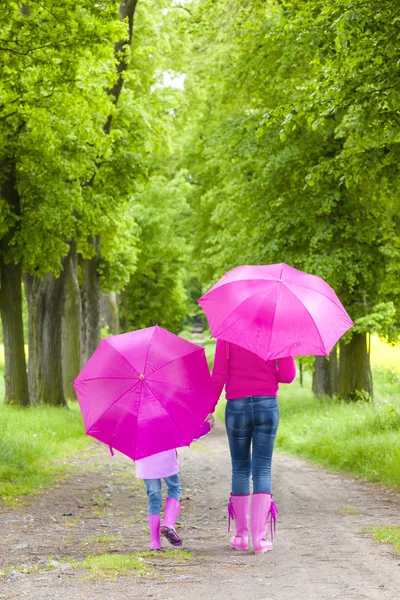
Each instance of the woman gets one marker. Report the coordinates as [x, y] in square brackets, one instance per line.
[251, 419]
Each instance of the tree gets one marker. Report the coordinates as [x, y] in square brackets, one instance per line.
[50, 144]
[156, 292]
[284, 162]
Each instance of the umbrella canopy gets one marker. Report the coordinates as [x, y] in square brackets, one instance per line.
[275, 311]
[145, 391]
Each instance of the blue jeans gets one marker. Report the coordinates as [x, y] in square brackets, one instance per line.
[154, 492]
[251, 425]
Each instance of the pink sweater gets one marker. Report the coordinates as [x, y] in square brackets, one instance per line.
[246, 374]
[156, 466]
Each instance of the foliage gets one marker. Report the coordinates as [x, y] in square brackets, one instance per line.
[57, 62]
[76, 174]
[290, 156]
[386, 382]
[156, 294]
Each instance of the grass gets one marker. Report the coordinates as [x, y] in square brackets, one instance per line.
[387, 535]
[110, 566]
[347, 511]
[31, 441]
[103, 539]
[360, 439]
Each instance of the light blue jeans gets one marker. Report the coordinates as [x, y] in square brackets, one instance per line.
[154, 492]
[251, 424]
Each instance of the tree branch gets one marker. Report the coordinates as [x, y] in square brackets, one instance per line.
[32, 49]
[182, 7]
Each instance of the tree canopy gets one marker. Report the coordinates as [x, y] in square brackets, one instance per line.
[147, 146]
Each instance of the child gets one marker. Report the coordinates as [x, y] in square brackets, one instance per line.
[152, 469]
[164, 465]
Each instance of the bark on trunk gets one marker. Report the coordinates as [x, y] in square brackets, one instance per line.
[127, 10]
[90, 304]
[321, 377]
[354, 368]
[15, 375]
[109, 312]
[123, 310]
[325, 376]
[301, 373]
[16, 378]
[35, 318]
[90, 288]
[334, 370]
[45, 306]
[71, 325]
[53, 392]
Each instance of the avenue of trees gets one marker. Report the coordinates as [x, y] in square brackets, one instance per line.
[282, 146]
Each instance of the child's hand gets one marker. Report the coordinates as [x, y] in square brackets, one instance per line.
[210, 419]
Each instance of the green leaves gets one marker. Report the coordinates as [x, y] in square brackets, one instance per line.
[292, 143]
[56, 64]
[156, 292]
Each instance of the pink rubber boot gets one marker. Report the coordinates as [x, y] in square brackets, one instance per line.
[238, 510]
[262, 508]
[154, 526]
[171, 512]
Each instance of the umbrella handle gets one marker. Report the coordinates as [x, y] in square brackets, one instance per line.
[111, 450]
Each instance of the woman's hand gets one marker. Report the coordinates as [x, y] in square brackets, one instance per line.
[210, 419]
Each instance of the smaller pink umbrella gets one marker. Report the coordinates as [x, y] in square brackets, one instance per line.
[145, 391]
[275, 311]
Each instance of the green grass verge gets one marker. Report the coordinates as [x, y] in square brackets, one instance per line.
[358, 438]
[387, 535]
[31, 441]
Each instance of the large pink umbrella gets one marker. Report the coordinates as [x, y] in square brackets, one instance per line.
[275, 311]
[145, 391]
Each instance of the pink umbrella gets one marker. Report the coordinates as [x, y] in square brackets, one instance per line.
[145, 391]
[275, 311]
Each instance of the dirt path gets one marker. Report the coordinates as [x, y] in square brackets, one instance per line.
[320, 551]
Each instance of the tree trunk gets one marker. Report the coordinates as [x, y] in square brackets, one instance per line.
[354, 368]
[321, 377]
[123, 311]
[16, 379]
[334, 371]
[127, 10]
[15, 374]
[325, 375]
[71, 325]
[109, 312]
[53, 294]
[90, 304]
[35, 318]
[45, 306]
[90, 288]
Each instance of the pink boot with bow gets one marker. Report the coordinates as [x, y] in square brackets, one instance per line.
[238, 510]
[263, 508]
